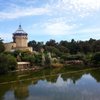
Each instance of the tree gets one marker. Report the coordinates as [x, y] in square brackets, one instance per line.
[7, 63]
[51, 43]
[96, 46]
[73, 47]
[2, 48]
[96, 58]
[85, 46]
[36, 45]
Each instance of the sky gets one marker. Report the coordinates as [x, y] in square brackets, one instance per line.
[51, 19]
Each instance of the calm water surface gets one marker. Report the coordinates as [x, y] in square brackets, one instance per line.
[76, 86]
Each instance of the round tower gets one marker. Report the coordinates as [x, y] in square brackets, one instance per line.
[20, 37]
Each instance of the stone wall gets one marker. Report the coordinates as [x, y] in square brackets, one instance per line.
[21, 41]
[9, 46]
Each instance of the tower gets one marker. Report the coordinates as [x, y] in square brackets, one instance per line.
[19, 41]
[20, 38]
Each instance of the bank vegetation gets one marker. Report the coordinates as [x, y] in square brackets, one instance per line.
[53, 54]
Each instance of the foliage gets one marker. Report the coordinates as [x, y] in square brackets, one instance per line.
[2, 48]
[88, 51]
[38, 59]
[7, 63]
[75, 57]
[72, 47]
[47, 60]
[35, 45]
[69, 50]
[56, 65]
[96, 58]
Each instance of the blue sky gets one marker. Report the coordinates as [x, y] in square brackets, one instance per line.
[51, 19]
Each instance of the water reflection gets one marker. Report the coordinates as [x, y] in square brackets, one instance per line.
[78, 86]
[21, 91]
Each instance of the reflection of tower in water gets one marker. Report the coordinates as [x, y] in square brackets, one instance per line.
[21, 91]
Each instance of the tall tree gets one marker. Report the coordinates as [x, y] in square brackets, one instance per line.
[51, 43]
[2, 48]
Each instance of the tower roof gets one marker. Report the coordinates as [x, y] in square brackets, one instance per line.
[20, 31]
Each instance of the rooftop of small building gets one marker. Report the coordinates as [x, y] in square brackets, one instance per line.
[19, 31]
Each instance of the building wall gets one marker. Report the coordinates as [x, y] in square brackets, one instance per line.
[9, 46]
[21, 41]
[23, 65]
[24, 48]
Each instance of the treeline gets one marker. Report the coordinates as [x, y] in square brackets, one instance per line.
[72, 47]
[87, 51]
[52, 54]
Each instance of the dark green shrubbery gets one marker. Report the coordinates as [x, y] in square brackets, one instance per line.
[96, 59]
[73, 57]
[7, 63]
[2, 48]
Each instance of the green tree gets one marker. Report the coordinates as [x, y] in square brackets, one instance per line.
[96, 58]
[36, 45]
[96, 46]
[51, 43]
[2, 48]
[7, 63]
[73, 47]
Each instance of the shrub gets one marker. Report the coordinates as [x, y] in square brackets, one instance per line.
[57, 65]
[96, 58]
[7, 63]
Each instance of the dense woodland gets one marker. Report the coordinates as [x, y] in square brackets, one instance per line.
[87, 51]
[52, 54]
[72, 47]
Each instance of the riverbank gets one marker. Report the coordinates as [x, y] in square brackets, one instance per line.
[39, 74]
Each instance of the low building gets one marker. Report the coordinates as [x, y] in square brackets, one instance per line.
[23, 65]
[20, 38]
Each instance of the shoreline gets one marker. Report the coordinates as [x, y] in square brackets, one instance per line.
[71, 72]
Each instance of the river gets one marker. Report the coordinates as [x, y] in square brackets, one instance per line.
[52, 85]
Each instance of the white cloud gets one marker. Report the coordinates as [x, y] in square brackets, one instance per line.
[66, 8]
[58, 27]
[81, 8]
[15, 11]
[6, 36]
[89, 30]
[86, 4]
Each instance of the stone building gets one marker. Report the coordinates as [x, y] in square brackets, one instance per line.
[19, 41]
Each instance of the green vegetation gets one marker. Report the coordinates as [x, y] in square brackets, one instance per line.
[69, 51]
[96, 59]
[53, 54]
[7, 63]
[1, 46]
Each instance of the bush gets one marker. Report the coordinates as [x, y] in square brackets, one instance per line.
[73, 57]
[2, 48]
[57, 65]
[96, 58]
[7, 63]
[37, 59]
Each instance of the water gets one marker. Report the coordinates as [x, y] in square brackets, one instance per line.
[83, 85]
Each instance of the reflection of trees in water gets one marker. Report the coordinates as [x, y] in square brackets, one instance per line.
[21, 91]
[52, 79]
[4, 89]
[53, 76]
[21, 88]
[73, 76]
[95, 74]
